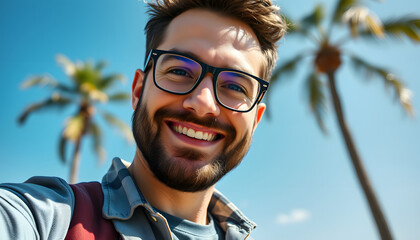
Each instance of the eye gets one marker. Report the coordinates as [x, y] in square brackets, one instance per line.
[235, 87]
[180, 72]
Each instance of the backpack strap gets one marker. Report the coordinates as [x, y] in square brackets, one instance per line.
[87, 221]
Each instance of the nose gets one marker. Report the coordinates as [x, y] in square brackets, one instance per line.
[202, 101]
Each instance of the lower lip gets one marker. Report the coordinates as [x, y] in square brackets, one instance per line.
[192, 141]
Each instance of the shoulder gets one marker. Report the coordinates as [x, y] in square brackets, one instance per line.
[39, 208]
[48, 190]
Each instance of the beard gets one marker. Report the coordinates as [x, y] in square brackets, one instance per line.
[167, 168]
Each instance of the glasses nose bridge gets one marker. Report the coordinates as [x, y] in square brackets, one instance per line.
[205, 68]
[208, 69]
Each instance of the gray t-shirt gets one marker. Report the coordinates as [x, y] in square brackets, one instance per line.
[186, 230]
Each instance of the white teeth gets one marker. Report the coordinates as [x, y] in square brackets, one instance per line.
[199, 135]
[211, 137]
[194, 134]
[191, 133]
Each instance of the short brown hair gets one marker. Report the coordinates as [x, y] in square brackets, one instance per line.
[261, 15]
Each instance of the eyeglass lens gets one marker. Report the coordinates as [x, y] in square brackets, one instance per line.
[179, 74]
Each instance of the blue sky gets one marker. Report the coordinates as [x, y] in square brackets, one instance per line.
[295, 182]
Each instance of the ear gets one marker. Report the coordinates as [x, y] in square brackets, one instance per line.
[260, 111]
[136, 87]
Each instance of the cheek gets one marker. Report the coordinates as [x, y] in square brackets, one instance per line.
[243, 123]
[156, 98]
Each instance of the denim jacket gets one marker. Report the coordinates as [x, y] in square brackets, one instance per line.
[42, 207]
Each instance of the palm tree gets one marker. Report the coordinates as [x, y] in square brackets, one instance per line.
[327, 56]
[87, 88]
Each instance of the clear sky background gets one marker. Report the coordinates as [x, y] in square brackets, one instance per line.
[295, 182]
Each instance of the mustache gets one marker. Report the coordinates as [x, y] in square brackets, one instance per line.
[186, 116]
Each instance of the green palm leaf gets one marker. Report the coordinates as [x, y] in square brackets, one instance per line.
[56, 100]
[68, 66]
[87, 74]
[317, 99]
[107, 81]
[97, 141]
[409, 27]
[292, 27]
[45, 80]
[279, 73]
[120, 96]
[39, 81]
[307, 23]
[100, 66]
[360, 17]
[314, 19]
[341, 7]
[90, 91]
[62, 148]
[402, 93]
[124, 128]
[286, 68]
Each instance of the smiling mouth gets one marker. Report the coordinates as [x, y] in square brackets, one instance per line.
[195, 134]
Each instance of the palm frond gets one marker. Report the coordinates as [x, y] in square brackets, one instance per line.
[56, 100]
[286, 68]
[341, 7]
[100, 65]
[68, 66]
[410, 27]
[124, 128]
[107, 81]
[279, 73]
[314, 19]
[43, 80]
[291, 25]
[120, 96]
[46, 80]
[299, 28]
[62, 147]
[97, 141]
[360, 17]
[93, 93]
[73, 129]
[315, 90]
[401, 93]
[306, 24]
[86, 73]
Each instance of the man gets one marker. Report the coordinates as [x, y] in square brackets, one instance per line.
[196, 105]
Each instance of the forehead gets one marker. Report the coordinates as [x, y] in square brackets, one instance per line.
[216, 39]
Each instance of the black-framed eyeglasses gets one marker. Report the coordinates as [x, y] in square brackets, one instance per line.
[180, 74]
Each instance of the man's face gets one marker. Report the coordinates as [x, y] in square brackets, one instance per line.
[189, 141]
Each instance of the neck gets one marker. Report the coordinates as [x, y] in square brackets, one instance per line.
[191, 206]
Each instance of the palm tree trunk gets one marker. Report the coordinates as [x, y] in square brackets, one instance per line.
[357, 163]
[86, 112]
[74, 171]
